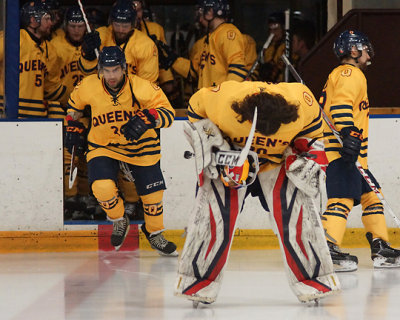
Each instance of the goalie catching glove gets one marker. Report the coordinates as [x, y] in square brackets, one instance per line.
[351, 138]
[305, 165]
[75, 136]
[137, 125]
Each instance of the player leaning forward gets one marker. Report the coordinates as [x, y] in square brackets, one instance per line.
[126, 112]
[285, 172]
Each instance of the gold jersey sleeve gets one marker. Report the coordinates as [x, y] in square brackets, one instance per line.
[109, 113]
[38, 79]
[345, 101]
[140, 52]
[250, 51]
[68, 67]
[272, 56]
[270, 149]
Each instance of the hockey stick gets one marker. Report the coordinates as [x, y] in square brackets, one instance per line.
[337, 136]
[259, 57]
[287, 41]
[73, 170]
[96, 51]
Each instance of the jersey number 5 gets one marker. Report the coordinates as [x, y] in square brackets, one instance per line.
[38, 80]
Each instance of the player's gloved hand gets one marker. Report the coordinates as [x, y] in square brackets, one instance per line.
[166, 56]
[75, 136]
[235, 177]
[91, 41]
[139, 123]
[351, 138]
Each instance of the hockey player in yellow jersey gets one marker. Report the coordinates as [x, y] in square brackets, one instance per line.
[39, 79]
[282, 124]
[140, 51]
[345, 100]
[126, 112]
[223, 55]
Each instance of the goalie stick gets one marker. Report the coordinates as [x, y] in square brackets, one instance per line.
[87, 25]
[337, 136]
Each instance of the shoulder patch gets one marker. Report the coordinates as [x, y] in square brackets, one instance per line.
[231, 35]
[308, 98]
[156, 87]
[346, 72]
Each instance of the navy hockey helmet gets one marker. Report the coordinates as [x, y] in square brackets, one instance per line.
[221, 7]
[123, 12]
[96, 17]
[277, 18]
[35, 9]
[74, 14]
[112, 56]
[350, 38]
[51, 4]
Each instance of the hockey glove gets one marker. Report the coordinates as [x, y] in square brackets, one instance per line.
[166, 56]
[351, 138]
[75, 136]
[139, 123]
[91, 41]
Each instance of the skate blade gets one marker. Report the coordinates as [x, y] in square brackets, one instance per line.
[126, 233]
[172, 254]
[386, 263]
[344, 266]
[196, 300]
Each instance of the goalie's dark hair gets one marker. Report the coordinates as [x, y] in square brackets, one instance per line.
[273, 110]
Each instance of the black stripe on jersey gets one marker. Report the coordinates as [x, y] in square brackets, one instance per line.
[24, 115]
[31, 101]
[57, 113]
[318, 118]
[31, 108]
[279, 156]
[365, 140]
[342, 115]
[147, 146]
[364, 147]
[149, 153]
[342, 106]
[168, 114]
[193, 114]
[345, 123]
[135, 143]
[330, 133]
[313, 128]
[69, 106]
[83, 69]
[162, 119]
[192, 70]
[239, 66]
[333, 140]
[237, 73]
[363, 155]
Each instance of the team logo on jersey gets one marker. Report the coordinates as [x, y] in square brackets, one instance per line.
[231, 35]
[346, 73]
[308, 98]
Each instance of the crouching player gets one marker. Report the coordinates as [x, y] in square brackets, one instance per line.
[126, 112]
[287, 176]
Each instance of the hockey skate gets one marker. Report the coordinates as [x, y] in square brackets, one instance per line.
[120, 231]
[342, 262]
[160, 244]
[382, 254]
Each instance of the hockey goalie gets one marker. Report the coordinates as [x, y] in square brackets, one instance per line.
[282, 125]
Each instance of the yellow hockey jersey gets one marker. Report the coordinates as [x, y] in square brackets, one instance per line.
[140, 51]
[152, 28]
[222, 58]
[345, 101]
[270, 149]
[109, 113]
[39, 79]
[272, 56]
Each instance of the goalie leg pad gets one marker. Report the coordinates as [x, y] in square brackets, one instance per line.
[209, 237]
[306, 256]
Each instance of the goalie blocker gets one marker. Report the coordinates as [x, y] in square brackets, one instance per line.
[292, 192]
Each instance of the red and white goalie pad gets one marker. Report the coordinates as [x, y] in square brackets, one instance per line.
[305, 164]
[301, 236]
[210, 231]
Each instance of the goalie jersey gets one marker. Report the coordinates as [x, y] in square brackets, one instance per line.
[38, 76]
[270, 149]
[109, 113]
[222, 58]
[345, 101]
[140, 51]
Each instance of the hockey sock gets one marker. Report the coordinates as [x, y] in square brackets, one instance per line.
[334, 219]
[373, 217]
[106, 193]
[153, 211]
